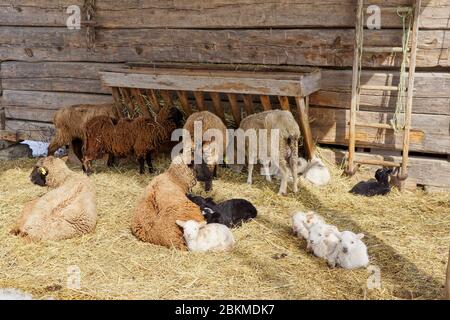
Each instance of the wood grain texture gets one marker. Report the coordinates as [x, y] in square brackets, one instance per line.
[214, 14]
[308, 47]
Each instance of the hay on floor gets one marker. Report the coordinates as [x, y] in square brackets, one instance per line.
[407, 234]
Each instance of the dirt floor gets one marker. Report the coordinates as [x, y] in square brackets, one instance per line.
[408, 236]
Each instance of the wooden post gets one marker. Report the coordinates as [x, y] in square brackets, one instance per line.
[303, 120]
[284, 103]
[200, 99]
[153, 100]
[2, 118]
[184, 101]
[165, 95]
[447, 282]
[355, 89]
[410, 94]
[248, 104]
[235, 110]
[265, 101]
[215, 97]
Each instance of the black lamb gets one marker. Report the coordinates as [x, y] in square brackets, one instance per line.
[231, 213]
[371, 188]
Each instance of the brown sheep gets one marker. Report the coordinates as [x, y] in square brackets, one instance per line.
[163, 203]
[70, 126]
[208, 120]
[139, 136]
[68, 210]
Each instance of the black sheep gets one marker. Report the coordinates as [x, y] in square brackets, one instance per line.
[373, 188]
[231, 213]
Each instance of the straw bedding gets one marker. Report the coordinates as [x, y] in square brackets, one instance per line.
[407, 235]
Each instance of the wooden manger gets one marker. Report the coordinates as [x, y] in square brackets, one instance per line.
[231, 95]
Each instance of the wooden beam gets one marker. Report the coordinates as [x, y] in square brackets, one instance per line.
[303, 120]
[265, 101]
[206, 81]
[2, 118]
[184, 101]
[284, 103]
[200, 100]
[235, 110]
[248, 104]
[218, 108]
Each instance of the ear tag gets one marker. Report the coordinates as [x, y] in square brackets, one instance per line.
[43, 171]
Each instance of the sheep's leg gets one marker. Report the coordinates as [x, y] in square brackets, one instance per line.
[266, 170]
[250, 173]
[149, 162]
[87, 167]
[208, 186]
[215, 171]
[293, 163]
[284, 176]
[111, 160]
[141, 165]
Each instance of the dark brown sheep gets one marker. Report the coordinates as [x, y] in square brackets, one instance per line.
[139, 136]
[70, 126]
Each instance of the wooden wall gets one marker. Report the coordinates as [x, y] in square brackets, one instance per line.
[45, 66]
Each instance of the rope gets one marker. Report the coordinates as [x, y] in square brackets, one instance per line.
[89, 9]
[401, 97]
[360, 41]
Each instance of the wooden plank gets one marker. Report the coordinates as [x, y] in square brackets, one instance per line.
[284, 103]
[184, 101]
[31, 114]
[308, 47]
[265, 101]
[427, 171]
[54, 76]
[232, 83]
[248, 104]
[50, 100]
[214, 14]
[218, 108]
[28, 130]
[200, 100]
[431, 133]
[235, 109]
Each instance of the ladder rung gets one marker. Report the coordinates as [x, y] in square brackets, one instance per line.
[383, 49]
[374, 125]
[379, 163]
[385, 88]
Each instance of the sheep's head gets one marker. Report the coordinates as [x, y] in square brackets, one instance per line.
[191, 228]
[181, 173]
[312, 218]
[348, 240]
[49, 171]
[321, 232]
[382, 175]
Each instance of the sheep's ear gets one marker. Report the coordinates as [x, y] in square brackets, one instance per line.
[202, 224]
[180, 223]
[360, 235]
[65, 158]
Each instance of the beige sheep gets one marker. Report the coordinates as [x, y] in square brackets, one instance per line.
[68, 210]
[289, 136]
[163, 203]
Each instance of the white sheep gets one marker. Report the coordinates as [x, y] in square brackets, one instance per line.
[303, 221]
[316, 172]
[323, 241]
[202, 237]
[351, 252]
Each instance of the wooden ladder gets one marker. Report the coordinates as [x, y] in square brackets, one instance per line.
[357, 87]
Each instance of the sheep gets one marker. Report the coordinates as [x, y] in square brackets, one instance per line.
[303, 221]
[210, 149]
[314, 171]
[202, 237]
[68, 210]
[70, 125]
[289, 136]
[140, 136]
[163, 202]
[231, 213]
[372, 188]
[323, 241]
[350, 252]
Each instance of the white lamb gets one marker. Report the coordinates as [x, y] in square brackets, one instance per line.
[303, 221]
[202, 237]
[323, 241]
[351, 252]
[316, 172]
